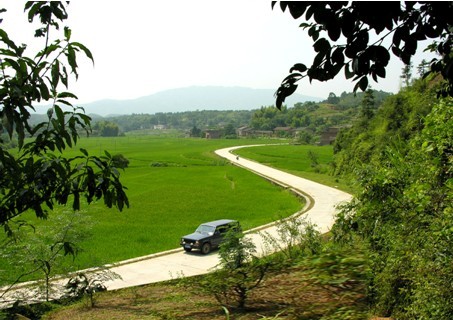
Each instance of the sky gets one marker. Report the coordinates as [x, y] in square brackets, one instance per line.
[143, 47]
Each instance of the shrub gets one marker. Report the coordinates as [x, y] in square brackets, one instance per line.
[120, 161]
[87, 284]
[295, 239]
[240, 271]
[404, 214]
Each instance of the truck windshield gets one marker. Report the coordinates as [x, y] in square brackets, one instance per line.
[204, 229]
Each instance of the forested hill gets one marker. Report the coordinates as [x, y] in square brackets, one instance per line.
[190, 99]
[395, 122]
[315, 116]
[401, 160]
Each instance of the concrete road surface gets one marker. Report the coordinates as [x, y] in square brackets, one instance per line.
[174, 263]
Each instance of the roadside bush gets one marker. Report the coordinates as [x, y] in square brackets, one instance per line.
[120, 161]
[39, 252]
[33, 311]
[404, 215]
[305, 138]
[240, 271]
[340, 269]
[159, 164]
[296, 238]
[87, 284]
[7, 142]
[231, 136]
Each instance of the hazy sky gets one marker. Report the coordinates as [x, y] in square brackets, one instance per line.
[142, 47]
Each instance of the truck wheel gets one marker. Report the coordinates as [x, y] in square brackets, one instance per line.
[206, 248]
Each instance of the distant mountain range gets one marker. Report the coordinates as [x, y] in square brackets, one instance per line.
[190, 99]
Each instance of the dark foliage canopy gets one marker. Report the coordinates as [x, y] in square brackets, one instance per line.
[37, 176]
[404, 24]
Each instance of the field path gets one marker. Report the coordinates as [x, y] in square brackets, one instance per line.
[320, 210]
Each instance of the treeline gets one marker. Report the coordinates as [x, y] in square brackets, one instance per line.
[204, 119]
[396, 121]
[334, 111]
[316, 117]
[313, 117]
[401, 158]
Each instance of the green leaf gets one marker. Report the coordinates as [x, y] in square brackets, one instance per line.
[297, 9]
[336, 69]
[23, 67]
[334, 30]
[64, 102]
[84, 151]
[317, 61]
[7, 52]
[337, 55]
[58, 10]
[44, 91]
[298, 67]
[356, 86]
[35, 6]
[55, 73]
[67, 33]
[66, 95]
[69, 249]
[322, 45]
[39, 68]
[84, 49]
[313, 32]
[382, 55]
[72, 60]
[292, 78]
[13, 63]
[4, 37]
[285, 90]
[60, 115]
[86, 119]
[380, 71]
[310, 12]
[64, 77]
[363, 83]
[48, 50]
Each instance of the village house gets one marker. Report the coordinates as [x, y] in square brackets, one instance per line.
[263, 133]
[244, 131]
[329, 136]
[213, 134]
[283, 131]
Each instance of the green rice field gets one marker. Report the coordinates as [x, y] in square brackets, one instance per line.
[307, 161]
[174, 184]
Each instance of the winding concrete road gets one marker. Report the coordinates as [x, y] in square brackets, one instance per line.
[320, 210]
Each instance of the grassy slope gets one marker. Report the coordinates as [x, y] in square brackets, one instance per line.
[286, 295]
